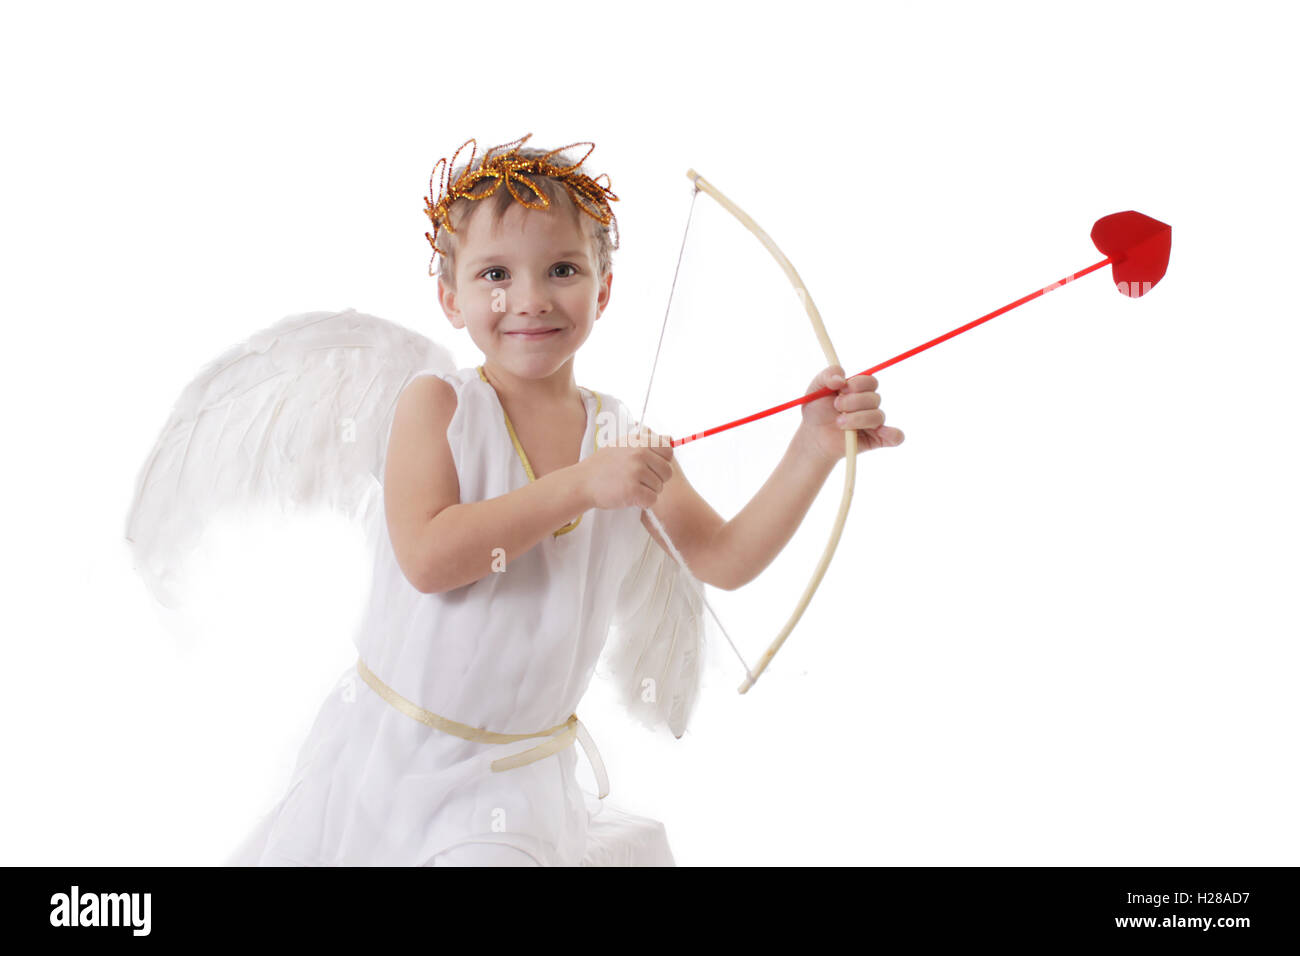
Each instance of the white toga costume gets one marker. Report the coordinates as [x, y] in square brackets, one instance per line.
[511, 653]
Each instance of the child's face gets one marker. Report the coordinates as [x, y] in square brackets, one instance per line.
[533, 270]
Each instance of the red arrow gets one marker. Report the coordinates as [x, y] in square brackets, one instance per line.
[1136, 248]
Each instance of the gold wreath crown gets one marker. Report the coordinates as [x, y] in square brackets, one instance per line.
[507, 166]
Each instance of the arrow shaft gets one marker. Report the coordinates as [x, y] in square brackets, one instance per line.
[824, 392]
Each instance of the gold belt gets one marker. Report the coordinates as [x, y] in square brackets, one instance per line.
[564, 734]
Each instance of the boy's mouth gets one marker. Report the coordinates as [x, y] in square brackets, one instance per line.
[533, 333]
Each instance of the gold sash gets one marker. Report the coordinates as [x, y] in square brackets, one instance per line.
[564, 734]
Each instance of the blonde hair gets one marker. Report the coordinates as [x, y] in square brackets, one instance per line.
[604, 240]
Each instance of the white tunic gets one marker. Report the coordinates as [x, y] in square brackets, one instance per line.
[512, 652]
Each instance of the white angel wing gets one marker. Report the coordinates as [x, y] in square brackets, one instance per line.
[657, 643]
[297, 417]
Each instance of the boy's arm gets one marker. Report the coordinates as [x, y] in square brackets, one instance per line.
[730, 554]
[441, 544]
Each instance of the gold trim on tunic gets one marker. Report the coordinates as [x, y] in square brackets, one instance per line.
[523, 456]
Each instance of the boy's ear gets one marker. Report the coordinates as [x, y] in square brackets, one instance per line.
[447, 299]
[602, 298]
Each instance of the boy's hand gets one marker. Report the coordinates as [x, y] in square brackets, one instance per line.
[628, 476]
[856, 406]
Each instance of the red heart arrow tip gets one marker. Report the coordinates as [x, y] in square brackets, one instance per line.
[1138, 247]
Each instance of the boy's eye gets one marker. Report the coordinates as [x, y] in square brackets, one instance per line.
[573, 270]
[487, 274]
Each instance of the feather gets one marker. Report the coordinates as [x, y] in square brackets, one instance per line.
[296, 417]
[656, 652]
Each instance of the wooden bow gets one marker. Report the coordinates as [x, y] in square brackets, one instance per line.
[850, 435]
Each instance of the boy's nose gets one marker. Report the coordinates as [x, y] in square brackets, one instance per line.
[529, 298]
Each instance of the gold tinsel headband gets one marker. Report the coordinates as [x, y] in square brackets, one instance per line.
[510, 168]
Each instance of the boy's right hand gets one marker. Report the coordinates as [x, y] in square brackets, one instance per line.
[630, 476]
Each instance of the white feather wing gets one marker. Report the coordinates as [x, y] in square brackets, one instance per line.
[656, 647]
[296, 417]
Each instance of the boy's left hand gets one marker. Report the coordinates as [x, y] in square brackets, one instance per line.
[856, 406]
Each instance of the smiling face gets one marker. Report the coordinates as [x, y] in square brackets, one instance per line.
[527, 288]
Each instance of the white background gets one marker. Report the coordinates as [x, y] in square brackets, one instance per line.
[1060, 627]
